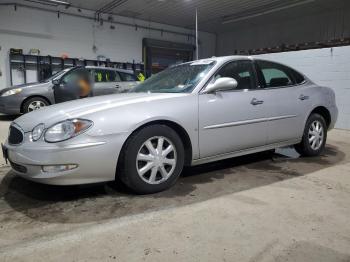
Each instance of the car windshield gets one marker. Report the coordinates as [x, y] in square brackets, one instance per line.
[177, 79]
[58, 74]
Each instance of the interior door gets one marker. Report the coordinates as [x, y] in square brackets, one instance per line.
[232, 120]
[284, 104]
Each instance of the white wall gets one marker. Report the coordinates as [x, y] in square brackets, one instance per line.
[327, 67]
[28, 28]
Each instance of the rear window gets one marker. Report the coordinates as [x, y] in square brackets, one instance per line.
[127, 76]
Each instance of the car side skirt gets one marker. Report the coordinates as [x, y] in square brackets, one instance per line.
[244, 152]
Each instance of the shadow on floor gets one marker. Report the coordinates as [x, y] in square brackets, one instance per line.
[77, 204]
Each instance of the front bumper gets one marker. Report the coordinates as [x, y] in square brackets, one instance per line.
[96, 159]
[10, 105]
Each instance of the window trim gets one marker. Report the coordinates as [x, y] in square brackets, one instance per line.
[257, 86]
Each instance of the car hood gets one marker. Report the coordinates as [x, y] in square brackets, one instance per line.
[83, 108]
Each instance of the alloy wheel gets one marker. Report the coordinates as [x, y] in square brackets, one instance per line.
[316, 135]
[35, 105]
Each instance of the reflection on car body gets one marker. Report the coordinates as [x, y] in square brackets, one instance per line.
[68, 84]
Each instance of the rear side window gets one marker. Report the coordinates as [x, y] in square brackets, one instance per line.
[127, 77]
[103, 76]
[275, 75]
[299, 78]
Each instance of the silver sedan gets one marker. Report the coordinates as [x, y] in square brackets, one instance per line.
[189, 114]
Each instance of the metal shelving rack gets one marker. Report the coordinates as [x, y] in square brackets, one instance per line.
[54, 64]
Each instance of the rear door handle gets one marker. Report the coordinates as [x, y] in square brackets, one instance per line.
[117, 86]
[255, 102]
[303, 97]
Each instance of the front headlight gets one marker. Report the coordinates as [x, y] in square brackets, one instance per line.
[12, 92]
[66, 129]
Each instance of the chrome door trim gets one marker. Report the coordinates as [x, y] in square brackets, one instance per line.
[247, 122]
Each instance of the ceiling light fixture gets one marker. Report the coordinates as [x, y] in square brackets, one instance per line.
[234, 18]
[50, 2]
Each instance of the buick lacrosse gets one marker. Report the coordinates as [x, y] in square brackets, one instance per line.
[189, 114]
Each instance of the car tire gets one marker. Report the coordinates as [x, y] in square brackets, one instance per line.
[314, 136]
[152, 159]
[34, 103]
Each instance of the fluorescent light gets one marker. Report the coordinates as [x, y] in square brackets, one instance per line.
[50, 2]
[266, 12]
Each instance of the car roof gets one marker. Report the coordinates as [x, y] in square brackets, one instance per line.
[223, 58]
[111, 68]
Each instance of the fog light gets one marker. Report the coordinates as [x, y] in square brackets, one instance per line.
[58, 168]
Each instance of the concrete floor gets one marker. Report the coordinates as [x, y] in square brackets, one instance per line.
[262, 207]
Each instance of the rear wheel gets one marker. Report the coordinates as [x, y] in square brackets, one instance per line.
[33, 104]
[314, 137]
[152, 159]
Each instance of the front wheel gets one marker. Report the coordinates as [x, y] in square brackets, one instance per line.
[152, 159]
[314, 137]
[33, 104]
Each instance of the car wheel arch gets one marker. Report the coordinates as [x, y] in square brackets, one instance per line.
[185, 138]
[323, 111]
[33, 96]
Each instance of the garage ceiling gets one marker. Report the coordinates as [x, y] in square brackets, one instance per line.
[214, 16]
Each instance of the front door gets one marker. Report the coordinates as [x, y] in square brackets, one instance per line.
[75, 84]
[232, 120]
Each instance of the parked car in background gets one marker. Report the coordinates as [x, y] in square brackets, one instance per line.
[59, 88]
[188, 114]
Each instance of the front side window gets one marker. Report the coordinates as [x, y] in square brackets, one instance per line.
[182, 78]
[73, 76]
[274, 75]
[242, 71]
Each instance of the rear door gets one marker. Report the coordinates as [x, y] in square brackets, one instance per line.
[128, 81]
[283, 88]
[103, 82]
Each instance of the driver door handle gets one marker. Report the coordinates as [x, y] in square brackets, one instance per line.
[255, 102]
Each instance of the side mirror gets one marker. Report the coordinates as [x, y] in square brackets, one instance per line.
[221, 84]
[56, 82]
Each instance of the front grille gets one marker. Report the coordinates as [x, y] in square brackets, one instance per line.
[15, 135]
[18, 168]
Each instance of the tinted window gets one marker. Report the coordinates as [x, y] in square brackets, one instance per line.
[127, 77]
[299, 78]
[275, 75]
[242, 71]
[73, 76]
